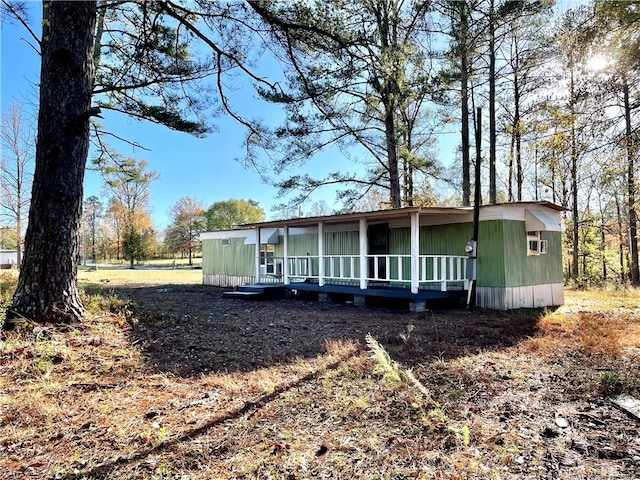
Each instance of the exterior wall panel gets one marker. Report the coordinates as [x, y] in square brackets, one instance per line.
[335, 243]
[341, 243]
[235, 259]
[434, 240]
[523, 269]
[491, 254]
[233, 280]
[445, 239]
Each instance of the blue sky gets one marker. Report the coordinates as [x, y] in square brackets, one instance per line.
[202, 168]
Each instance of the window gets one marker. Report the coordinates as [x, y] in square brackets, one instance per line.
[270, 265]
[543, 246]
[536, 246]
[226, 242]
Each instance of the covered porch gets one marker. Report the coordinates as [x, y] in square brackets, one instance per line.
[369, 263]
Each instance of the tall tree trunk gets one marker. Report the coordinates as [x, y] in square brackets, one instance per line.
[535, 171]
[392, 156]
[408, 167]
[47, 290]
[19, 240]
[518, 137]
[603, 245]
[630, 145]
[510, 182]
[492, 104]
[464, 100]
[623, 276]
[574, 177]
[389, 95]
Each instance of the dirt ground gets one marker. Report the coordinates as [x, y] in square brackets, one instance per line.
[224, 334]
[547, 413]
[180, 383]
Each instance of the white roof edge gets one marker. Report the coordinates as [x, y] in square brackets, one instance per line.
[226, 234]
[267, 235]
[538, 220]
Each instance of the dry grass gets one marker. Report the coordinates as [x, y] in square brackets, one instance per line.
[113, 277]
[85, 402]
[602, 323]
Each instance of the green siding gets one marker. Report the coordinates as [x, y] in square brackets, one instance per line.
[491, 254]
[502, 251]
[503, 259]
[434, 240]
[342, 243]
[299, 245]
[530, 269]
[335, 243]
[234, 259]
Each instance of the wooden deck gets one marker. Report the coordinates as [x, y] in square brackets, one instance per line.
[418, 302]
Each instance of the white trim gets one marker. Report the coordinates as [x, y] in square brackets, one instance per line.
[226, 234]
[257, 233]
[540, 247]
[285, 267]
[415, 252]
[541, 221]
[320, 254]
[267, 235]
[363, 253]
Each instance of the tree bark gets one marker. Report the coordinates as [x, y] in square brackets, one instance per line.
[575, 239]
[492, 104]
[464, 100]
[623, 277]
[517, 125]
[47, 289]
[631, 185]
[392, 156]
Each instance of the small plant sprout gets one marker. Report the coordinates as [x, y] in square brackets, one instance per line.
[406, 336]
[392, 371]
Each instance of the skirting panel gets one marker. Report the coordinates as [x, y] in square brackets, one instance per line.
[528, 296]
[219, 280]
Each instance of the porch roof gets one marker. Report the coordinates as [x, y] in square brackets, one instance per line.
[352, 217]
[391, 214]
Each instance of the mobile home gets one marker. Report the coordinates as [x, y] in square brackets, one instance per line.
[416, 253]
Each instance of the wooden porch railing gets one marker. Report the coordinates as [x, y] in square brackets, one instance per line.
[432, 269]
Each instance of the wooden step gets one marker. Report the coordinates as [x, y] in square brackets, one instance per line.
[241, 294]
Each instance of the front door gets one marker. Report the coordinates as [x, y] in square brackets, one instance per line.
[378, 245]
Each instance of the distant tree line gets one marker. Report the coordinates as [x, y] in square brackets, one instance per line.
[124, 231]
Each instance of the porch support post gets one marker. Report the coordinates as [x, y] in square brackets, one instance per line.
[257, 254]
[415, 252]
[285, 267]
[320, 254]
[363, 253]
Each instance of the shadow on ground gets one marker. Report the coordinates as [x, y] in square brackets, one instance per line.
[190, 330]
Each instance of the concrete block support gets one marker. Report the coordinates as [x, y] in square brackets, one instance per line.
[324, 297]
[417, 306]
[360, 300]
